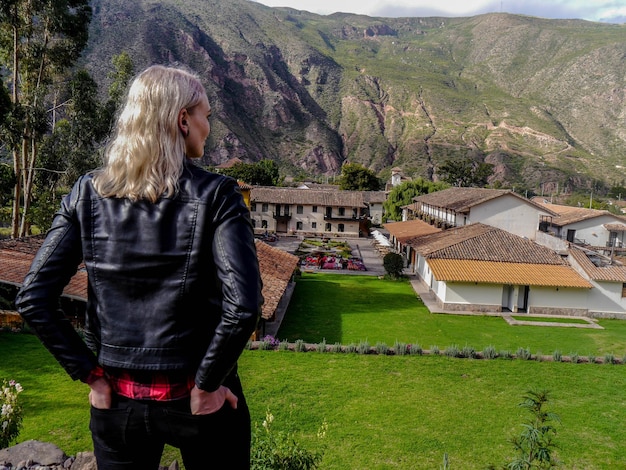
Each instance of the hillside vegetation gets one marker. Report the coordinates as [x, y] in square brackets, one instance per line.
[542, 100]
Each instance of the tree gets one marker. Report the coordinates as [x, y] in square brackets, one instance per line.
[393, 264]
[251, 173]
[465, 172]
[403, 194]
[39, 39]
[72, 147]
[120, 77]
[271, 168]
[355, 177]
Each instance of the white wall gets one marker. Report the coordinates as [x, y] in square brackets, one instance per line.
[470, 293]
[591, 230]
[606, 297]
[550, 241]
[557, 297]
[508, 213]
[376, 213]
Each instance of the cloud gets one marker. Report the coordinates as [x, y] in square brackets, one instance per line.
[613, 11]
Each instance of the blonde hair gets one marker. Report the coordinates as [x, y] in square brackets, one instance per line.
[144, 159]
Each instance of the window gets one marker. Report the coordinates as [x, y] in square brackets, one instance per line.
[342, 211]
[340, 228]
[314, 209]
[328, 227]
[624, 290]
[253, 207]
[253, 223]
[298, 225]
[313, 224]
[264, 224]
[299, 209]
[264, 207]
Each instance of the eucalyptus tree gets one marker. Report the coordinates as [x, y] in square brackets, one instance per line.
[73, 147]
[39, 40]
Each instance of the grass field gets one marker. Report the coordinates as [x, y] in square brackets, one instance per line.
[385, 411]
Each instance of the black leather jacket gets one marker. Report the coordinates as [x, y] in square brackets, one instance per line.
[173, 285]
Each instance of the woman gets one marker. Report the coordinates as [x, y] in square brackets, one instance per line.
[174, 286]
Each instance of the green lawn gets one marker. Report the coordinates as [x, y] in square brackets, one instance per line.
[386, 411]
[351, 309]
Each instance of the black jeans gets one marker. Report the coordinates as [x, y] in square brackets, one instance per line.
[132, 434]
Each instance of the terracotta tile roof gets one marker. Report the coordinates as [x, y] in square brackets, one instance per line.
[616, 227]
[277, 267]
[275, 195]
[377, 197]
[598, 267]
[244, 185]
[410, 229]
[16, 256]
[480, 242]
[490, 272]
[484, 254]
[569, 214]
[461, 200]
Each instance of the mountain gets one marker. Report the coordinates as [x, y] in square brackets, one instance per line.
[542, 100]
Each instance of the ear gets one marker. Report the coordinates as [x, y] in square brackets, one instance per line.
[183, 116]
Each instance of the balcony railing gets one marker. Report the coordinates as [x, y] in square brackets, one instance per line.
[343, 217]
[282, 216]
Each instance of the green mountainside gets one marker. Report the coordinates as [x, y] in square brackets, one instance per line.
[542, 100]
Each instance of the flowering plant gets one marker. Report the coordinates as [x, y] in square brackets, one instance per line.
[10, 413]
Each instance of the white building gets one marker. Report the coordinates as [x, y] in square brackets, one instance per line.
[312, 212]
[481, 268]
[456, 207]
[596, 229]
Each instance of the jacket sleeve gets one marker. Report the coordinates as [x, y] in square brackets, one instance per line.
[238, 273]
[38, 301]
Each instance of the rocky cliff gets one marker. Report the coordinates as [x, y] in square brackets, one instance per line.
[543, 100]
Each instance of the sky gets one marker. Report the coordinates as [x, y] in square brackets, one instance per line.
[609, 11]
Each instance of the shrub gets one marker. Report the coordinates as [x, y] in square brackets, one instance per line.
[364, 347]
[336, 348]
[468, 352]
[505, 354]
[609, 358]
[415, 349]
[490, 352]
[524, 353]
[394, 265]
[382, 348]
[279, 450]
[401, 349]
[535, 444]
[452, 351]
[10, 412]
